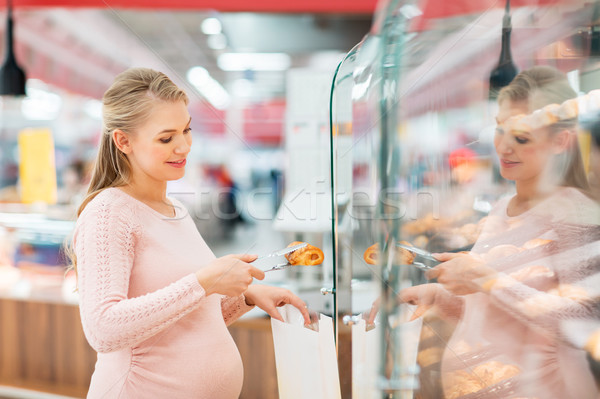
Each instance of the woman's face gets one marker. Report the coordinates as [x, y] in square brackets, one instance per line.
[523, 155]
[158, 148]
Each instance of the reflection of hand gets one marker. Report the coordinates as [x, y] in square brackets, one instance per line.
[229, 275]
[424, 296]
[270, 298]
[370, 316]
[460, 273]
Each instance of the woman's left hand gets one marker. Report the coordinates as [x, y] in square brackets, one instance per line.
[461, 273]
[269, 298]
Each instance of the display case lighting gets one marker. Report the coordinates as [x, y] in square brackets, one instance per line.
[211, 26]
[254, 61]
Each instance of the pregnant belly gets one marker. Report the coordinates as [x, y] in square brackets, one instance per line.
[196, 366]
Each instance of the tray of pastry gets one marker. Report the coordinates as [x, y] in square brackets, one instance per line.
[489, 379]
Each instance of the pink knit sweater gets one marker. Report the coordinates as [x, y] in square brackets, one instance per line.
[156, 332]
[520, 323]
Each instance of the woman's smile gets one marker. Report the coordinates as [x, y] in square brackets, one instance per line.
[178, 164]
[508, 164]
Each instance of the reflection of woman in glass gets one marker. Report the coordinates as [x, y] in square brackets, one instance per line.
[534, 264]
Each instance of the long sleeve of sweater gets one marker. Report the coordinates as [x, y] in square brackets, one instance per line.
[104, 243]
[233, 308]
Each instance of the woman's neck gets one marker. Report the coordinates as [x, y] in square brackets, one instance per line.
[528, 195]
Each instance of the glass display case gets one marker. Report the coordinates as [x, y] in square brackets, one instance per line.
[435, 146]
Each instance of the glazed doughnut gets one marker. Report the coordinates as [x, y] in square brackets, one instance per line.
[306, 256]
[371, 255]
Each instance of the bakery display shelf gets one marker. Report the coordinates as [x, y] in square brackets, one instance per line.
[502, 389]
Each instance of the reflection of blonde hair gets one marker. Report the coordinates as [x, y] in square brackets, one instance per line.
[538, 87]
[125, 106]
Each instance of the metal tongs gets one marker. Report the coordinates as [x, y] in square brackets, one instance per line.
[282, 252]
[420, 253]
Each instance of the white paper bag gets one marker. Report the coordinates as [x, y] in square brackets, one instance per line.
[306, 360]
[366, 352]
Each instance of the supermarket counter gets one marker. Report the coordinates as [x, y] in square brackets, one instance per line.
[42, 346]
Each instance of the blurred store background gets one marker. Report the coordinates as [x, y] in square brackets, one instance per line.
[256, 73]
[259, 76]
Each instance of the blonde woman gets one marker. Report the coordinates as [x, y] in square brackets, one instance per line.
[535, 264]
[154, 301]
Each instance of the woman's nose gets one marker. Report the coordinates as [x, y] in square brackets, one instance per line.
[503, 145]
[183, 145]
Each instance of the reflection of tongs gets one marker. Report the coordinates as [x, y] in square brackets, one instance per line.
[420, 253]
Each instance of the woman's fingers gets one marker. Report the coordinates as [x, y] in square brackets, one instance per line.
[434, 273]
[299, 304]
[446, 256]
[257, 273]
[419, 311]
[244, 257]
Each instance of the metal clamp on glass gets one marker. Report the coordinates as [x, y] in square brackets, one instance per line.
[326, 291]
[408, 381]
[350, 320]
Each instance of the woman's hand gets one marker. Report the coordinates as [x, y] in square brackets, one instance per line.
[269, 298]
[460, 273]
[424, 296]
[229, 275]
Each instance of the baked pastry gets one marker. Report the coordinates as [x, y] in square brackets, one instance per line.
[404, 256]
[545, 116]
[460, 383]
[536, 242]
[568, 109]
[532, 271]
[371, 255]
[428, 356]
[493, 372]
[501, 251]
[306, 256]
[593, 346]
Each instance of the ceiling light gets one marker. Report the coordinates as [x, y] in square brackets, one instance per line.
[254, 61]
[217, 42]
[12, 77]
[41, 104]
[211, 26]
[208, 87]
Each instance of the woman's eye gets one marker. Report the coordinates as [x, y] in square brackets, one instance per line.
[189, 129]
[165, 140]
[521, 140]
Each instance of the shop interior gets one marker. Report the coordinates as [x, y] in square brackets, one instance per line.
[295, 108]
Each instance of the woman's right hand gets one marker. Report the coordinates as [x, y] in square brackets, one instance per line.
[424, 296]
[229, 275]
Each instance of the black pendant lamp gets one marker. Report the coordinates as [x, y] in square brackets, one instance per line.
[12, 77]
[506, 70]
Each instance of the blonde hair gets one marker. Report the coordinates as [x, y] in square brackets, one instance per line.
[537, 87]
[126, 104]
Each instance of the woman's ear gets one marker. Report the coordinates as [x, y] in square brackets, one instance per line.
[122, 141]
[562, 140]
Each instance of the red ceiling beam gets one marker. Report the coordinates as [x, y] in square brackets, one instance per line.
[277, 6]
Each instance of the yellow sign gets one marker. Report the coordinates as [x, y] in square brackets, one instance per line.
[37, 169]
